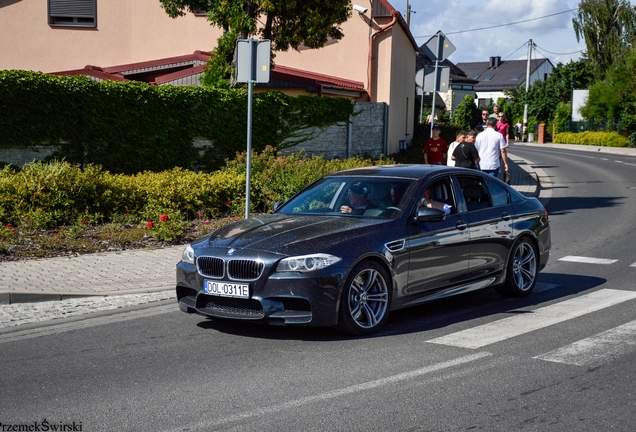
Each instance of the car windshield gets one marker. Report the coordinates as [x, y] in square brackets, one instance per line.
[373, 197]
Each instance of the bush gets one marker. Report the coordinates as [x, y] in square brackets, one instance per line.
[608, 139]
[129, 127]
[46, 195]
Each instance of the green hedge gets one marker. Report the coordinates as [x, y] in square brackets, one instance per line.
[608, 139]
[45, 195]
[129, 127]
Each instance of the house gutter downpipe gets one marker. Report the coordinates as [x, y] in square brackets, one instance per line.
[371, 38]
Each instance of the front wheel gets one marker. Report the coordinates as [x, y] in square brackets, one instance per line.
[364, 305]
[522, 270]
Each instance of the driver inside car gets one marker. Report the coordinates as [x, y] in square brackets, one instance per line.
[426, 201]
[358, 202]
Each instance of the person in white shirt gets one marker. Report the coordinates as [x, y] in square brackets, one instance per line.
[459, 138]
[491, 146]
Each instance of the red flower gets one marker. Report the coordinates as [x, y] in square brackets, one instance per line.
[164, 218]
[9, 225]
[126, 214]
[150, 224]
[84, 222]
[200, 215]
[229, 202]
[207, 222]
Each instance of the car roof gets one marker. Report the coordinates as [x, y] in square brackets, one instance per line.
[413, 171]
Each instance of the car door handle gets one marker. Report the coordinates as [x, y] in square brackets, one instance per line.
[505, 216]
[461, 225]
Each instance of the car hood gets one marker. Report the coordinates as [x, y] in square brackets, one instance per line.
[291, 233]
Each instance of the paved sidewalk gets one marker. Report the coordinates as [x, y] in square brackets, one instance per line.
[130, 272]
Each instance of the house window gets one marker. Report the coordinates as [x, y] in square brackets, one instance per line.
[516, 77]
[476, 77]
[200, 11]
[76, 13]
[489, 77]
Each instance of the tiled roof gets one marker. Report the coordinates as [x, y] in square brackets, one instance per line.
[496, 75]
[187, 69]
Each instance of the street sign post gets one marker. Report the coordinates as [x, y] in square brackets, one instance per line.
[425, 80]
[252, 66]
[437, 48]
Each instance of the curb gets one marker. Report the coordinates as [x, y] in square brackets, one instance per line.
[7, 298]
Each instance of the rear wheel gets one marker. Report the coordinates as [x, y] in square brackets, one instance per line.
[522, 271]
[364, 306]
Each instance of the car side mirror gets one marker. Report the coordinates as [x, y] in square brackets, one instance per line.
[277, 205]
[427, 214]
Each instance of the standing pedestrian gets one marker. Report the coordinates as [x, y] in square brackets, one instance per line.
[518, 131]
[491, 145]
[484, 116]
[495, 112]
[466, 155]
[435, 148]
[503, 127]
[459, 138]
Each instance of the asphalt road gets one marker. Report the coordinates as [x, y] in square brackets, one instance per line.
[563, 358]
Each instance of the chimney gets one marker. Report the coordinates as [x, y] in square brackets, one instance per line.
[497, 61]
[491, 63]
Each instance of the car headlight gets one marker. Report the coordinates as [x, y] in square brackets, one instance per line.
[188, 255]
[306, 263]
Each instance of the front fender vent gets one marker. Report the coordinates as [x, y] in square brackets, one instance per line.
[395, 246]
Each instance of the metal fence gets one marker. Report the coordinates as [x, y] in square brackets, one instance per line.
[604, 125]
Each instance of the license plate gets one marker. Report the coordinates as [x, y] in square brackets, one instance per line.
[226, 289]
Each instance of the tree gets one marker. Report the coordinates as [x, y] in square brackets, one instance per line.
[466, 114]
[544, 97]
[615, 96]
[286, 23]
[608, 28]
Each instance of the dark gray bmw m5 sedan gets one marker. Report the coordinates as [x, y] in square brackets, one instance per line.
[357, 244]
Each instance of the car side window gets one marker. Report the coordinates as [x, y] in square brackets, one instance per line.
[475, 193]
[440, 190]
[498, 194]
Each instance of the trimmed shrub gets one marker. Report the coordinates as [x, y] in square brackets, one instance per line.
[608, 139]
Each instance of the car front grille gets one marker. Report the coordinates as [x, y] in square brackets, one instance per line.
[230, 307]
[244, 269]
[210, 266]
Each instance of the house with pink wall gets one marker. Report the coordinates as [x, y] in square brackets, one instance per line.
[136, 40]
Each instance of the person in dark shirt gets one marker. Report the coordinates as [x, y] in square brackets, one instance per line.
[465, 154]
[358, 201]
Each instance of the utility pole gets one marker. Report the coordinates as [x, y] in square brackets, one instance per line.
[524, 136]
[408, 14]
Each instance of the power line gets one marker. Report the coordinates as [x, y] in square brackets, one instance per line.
[574, 52]
[504, 25]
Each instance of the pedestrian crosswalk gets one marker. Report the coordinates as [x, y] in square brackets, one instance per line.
[590, 260]
[594, 349]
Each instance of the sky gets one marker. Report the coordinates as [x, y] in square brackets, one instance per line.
[553, 36]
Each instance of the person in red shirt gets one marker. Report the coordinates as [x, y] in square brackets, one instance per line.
[435, 148]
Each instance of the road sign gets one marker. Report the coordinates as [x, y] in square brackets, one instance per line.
[252, 60]
[438, 49]
[425, 79]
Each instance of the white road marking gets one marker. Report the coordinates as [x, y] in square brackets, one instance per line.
[337, 393]
[633, 265]
[587, 260]
[596, 349]
[507, 328]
